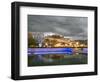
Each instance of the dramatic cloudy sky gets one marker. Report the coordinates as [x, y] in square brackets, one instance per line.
[75, 27]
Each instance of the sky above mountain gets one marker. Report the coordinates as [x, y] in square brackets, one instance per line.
[74, 27]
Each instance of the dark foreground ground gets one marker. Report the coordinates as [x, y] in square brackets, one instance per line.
[67, 60]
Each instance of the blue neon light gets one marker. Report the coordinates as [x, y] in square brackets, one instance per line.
[42, 51]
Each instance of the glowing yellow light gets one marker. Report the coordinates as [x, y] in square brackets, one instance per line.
[77, 43]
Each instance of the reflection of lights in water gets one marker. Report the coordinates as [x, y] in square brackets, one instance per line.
[50, 60]
[44, 59]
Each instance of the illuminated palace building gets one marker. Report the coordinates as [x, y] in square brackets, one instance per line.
[57, 41]
[49, 39]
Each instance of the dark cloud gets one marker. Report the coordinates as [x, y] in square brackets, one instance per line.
[75, 27]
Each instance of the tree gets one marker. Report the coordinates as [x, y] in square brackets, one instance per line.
[39, 37]
[31, 41]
